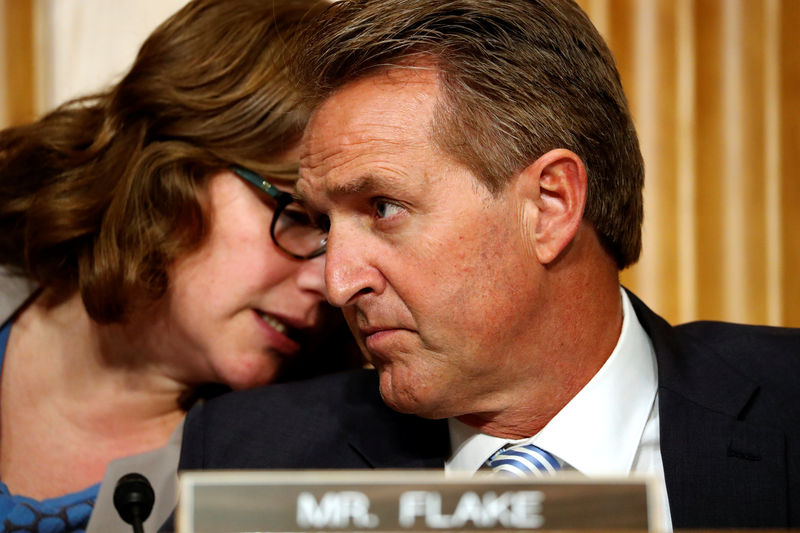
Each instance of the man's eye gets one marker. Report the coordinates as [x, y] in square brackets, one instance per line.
[385, 209]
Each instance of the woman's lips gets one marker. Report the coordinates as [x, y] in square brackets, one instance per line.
[274, 322]
[277, 333]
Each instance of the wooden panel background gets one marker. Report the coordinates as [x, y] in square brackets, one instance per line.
[714, 86]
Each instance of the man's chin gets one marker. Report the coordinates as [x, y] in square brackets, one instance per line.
[409, 399]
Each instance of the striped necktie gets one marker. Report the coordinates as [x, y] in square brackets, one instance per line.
[520, 460]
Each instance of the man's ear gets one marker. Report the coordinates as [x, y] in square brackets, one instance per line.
[553, 191]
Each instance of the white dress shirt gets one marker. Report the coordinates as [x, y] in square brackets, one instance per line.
[609, 428]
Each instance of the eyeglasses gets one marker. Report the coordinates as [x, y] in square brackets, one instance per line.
[291, 229]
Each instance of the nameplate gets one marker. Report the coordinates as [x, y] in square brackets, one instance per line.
[407, 500]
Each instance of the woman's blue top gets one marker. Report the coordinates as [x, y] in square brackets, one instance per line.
[68, 513]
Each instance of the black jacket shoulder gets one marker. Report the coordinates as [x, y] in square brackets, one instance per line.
[333, 421]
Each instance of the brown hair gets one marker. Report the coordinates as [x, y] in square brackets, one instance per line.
[102, 194]
[518, 77]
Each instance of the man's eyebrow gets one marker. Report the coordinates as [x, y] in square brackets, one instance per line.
[360, 185]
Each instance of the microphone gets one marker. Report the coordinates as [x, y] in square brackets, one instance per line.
[133, 500]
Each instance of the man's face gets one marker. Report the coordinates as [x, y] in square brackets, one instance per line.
[431, 270]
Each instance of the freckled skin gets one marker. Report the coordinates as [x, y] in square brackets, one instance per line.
[448, 277]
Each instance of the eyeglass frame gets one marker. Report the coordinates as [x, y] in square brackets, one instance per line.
[282, 199]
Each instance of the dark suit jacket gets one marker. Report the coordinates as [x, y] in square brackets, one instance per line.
[729, 400]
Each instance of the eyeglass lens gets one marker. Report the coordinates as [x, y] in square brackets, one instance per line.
[294, 232]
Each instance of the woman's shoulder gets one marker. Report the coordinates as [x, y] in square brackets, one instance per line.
[14, 291]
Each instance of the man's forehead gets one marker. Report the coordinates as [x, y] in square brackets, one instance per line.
[386, 100]
[373, 117]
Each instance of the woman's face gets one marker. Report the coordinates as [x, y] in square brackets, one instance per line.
[237, 306]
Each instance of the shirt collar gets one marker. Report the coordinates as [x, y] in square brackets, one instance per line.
[599, 430]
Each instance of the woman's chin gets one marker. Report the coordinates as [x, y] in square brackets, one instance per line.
[249, 375]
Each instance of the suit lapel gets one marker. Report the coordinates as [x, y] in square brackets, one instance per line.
[720, 468]
[384, 438]
[424, 446]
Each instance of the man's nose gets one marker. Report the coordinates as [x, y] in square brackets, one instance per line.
[350, 271]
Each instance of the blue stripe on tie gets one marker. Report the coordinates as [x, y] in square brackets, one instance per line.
[523, 460]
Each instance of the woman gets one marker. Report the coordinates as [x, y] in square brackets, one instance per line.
[140, 215]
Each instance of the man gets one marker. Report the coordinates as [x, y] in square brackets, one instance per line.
[477, 169]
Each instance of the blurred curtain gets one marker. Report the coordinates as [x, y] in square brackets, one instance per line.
[714, 86]
[55, 50]
[17, 83]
